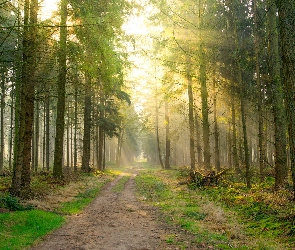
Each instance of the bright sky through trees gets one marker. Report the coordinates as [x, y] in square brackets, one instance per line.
[48, 7]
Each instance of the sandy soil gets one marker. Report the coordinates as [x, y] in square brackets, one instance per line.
[117, 221]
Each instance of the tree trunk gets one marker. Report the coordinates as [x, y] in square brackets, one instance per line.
[75, 130]
[3, 80]
[158, 136]
[287, 37]
[234, 138]
[37, 135]
[281, 170]
[12, 97]
[68, 137]
[168, 149]
[119, 147]
[216, 129]
[261, 135]
[47, 131]
[191, 115]
[101, 130]
[205, 108]
[61, 85]
[198, 139]
[245, 140]
[87, 127]
[17, 147]
[22, 168]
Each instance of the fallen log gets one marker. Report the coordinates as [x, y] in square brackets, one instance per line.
[202, 180]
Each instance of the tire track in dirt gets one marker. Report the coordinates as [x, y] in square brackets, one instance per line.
[113, 221]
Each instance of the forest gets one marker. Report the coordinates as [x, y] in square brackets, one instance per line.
[205, 85]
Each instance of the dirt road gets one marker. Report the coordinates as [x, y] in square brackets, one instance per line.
[116, 221]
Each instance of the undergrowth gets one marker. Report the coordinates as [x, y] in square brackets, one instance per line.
[23, 222]
[265, 213]
[225, 217]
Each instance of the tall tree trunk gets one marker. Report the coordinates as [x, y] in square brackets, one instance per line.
[3, 80]
[87, 127]
[37, 135]
[158, 136]
[44, 138]
[191, 115]
[216, 129]
[287, 37]
[261, 136]
[198, 139]
[75, 129]
[168, 147]
[245, 140]
[61, 85]
[278, 110]
[28, 95]
[22, 170]
[68, 137]
[12, 97]
[229, 147]
[205, 108]
[119, 147]
[96, 145]
[104, 152]
[101, 129]
[234, 137]
[16, 178]
[47, 131]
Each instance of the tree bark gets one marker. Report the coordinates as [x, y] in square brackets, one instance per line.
[261, 134]
[205, 108]
[168, 149]
[234, 137]
[3, 80]
[87, 127]
[216, 129]
[158, 136]
[101, 130]
[47, 131]
[61, 84]
[278, 110]
[75, 129]
[198, 139]
[191, 116]
[286, 9]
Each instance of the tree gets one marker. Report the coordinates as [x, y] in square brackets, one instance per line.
[278, 108]
[61, 84]
[22, 166]
[286, 9]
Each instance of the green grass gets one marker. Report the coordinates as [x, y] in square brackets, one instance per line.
[190, 210]
[19, 230]
[121, 184]
[80, 201]
[264, 213]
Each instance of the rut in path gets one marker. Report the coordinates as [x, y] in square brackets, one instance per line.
[114, 221]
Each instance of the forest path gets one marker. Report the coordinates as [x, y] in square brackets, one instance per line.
[115, 221]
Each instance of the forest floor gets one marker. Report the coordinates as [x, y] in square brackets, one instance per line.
[146, 208]
[117, 220]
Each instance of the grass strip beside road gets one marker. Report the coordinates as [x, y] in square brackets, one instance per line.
[21, 229]
[194, 211]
